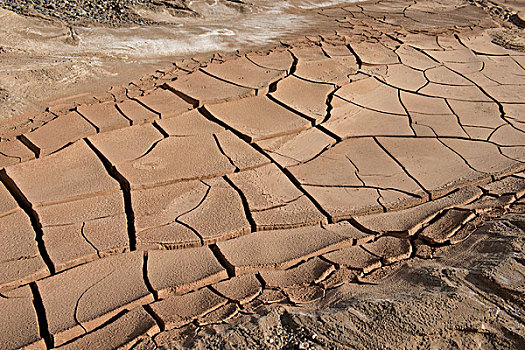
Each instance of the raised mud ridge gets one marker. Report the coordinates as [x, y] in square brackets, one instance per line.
[255, 178]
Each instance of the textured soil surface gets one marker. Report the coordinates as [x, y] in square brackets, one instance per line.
[359, 188]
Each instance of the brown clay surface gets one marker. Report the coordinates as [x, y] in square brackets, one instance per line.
[326, 172]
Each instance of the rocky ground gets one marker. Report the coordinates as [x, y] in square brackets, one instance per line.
[359, 187]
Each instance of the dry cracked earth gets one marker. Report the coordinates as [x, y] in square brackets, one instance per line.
[211, 204]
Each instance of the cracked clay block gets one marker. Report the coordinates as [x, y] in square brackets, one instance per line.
[200, 88]
[104, 116]
[243, 72]
[118, 333]
[18, 320]
[177, 311]
[72, 173]
[181, 271]
[165, 103]
[273, 200]
[258, 118]
[72, 299]
[58, 133]
[280, 249]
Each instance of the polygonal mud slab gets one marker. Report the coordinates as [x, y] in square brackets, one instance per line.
[181, 271]
[280, 249]
[136, 113]
[303, 96]
[354, 257]
[241, 289]
[335, 70]
[275, 59]
[73, 173]
[188, 214]
[438, 169]
[104, 116]
[349, 120]
[72, 298]
[258, 118]
[297, 148]
[126, 144]
[409, 221]
[165, 103]
[13, 152]
[243, 72]
[199, 88]
[18, 320]
[273, 200]
[356, 177]
[312, 271]
[119, 333]
[177, 311]
[58, 133]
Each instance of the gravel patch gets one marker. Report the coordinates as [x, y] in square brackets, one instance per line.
[107, 12]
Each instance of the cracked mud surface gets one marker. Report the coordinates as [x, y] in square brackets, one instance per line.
[350, 179]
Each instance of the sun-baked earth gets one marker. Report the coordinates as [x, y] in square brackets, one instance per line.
[331, 169]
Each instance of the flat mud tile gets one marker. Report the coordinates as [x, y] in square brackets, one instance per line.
[72, 173]
[58, 133]
[312, 271]
[104, 116]
[445, 125]
[273, 200]
[438, 169]
[354, 257]
[508, 185]
[199, 88]
[276, 59]
[181, 271]
[444, 227]
[390, 249]
[119, 333]
[279, 249]
[410, 220]
[415, 103]
[176, 159]
[19, 321]
[126, 144]
[508, 136]
[271, 296]
[243, 72]
[73, 301]
[241, 289]
[304, 97]
[348, 120]
[484, 157]
[443, 75]
[404, 77]
[339, 277]
[137, 113]
[258, 118]
[13, 152]
[220, 216]
[222, 314]
[165, 103]
[304, 294]
[414, 59]
[455, 92]
[335, 70]
[177, 311]
[8, 204]
[374, 53]
[371, 94]
[482, 114]
[189, 124]
[297, 148]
